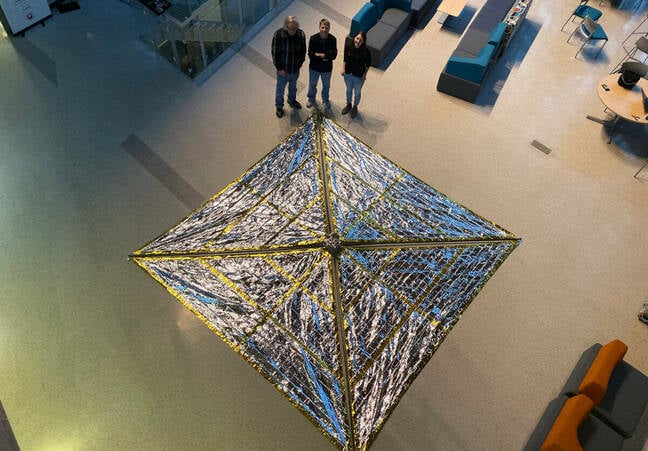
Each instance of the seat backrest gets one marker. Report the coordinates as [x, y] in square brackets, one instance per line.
[589, 25]
[382, 5]
[635, 66]
[364, 19]
[642, 44]
[595, 382]
[563, 434]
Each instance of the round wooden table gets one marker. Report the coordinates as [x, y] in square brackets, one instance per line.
[625, 103]
[622, 103]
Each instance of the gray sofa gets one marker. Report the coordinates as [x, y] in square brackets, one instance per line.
[620, 402]
[626, 395]
[384, 21]
[478, 49]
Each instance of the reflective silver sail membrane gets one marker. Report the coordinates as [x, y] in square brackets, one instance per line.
[332, 271]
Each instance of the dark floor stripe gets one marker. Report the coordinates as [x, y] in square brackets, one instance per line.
[43, 63]
[259, 60]
[331, 14]
[265, 64]
[538, 145]
[164, 173]
[8, 441]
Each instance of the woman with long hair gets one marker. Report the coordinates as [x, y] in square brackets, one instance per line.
[357, 60]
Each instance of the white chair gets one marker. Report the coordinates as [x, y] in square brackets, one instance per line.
[589, 31]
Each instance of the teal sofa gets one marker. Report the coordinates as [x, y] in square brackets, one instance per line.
[479, 47]
[473, 68]
[384, 22]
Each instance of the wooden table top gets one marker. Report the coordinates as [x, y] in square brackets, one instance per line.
[452, 7]
[625, 103]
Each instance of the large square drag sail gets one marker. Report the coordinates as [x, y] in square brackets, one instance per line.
[333, 272]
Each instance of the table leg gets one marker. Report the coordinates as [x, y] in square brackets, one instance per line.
[613, 122]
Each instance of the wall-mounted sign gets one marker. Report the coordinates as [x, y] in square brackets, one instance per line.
[22, 14]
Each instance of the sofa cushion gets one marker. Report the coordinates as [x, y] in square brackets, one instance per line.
[472, 69]
[364, 19]
[396, 18]
[487, 18]
[464, 54]
[495, 36]
[595, 382]
[380, 39]
[563, 434]
[625, 400]
[473, 41]
[491, 13]
[380, 6]
[380, 35]
[593, 434]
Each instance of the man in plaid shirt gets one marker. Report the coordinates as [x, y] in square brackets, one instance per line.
[288, 55]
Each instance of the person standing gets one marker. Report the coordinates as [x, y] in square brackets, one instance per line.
[357, 60]
[288, 55]
[322, 50]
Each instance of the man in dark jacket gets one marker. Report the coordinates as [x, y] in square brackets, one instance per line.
[322, 50]
[288, 55]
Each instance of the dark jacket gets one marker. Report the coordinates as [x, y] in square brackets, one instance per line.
[356, 61]
[326, 46]
[288, 52]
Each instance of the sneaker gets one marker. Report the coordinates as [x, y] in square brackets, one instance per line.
[310, 103]
[354, 112]
[346, 108]
[279, 112]
[295, 105]
[643, 314]
[327, 105]
[643, 317]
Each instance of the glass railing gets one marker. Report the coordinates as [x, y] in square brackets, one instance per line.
[192, 34]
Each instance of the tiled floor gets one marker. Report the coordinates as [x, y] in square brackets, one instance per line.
[104, 146]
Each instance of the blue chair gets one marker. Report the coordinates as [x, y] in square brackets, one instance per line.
[581, 11]
[589, 31]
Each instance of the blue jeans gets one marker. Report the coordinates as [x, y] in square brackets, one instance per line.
[291, 80]
[354, 86]
[314, 76]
